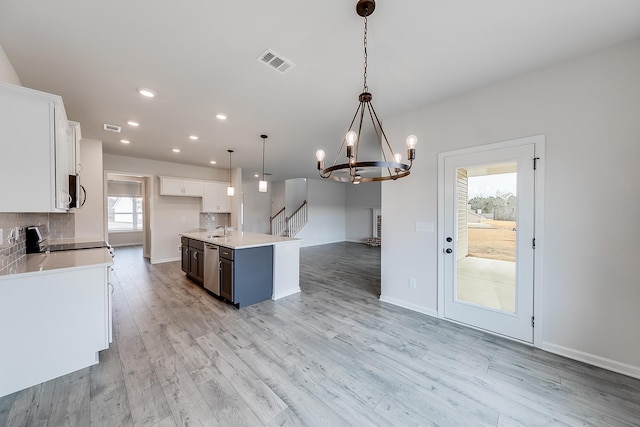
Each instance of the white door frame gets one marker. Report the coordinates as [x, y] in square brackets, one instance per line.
[539, 143]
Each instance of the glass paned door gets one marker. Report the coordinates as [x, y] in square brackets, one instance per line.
[488, 264]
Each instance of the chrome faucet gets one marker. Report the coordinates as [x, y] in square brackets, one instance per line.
[224, 227]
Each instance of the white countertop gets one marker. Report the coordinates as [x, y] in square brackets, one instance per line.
[238, 239]
[46, 262]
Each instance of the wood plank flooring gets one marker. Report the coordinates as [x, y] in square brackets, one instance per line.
[332, 355]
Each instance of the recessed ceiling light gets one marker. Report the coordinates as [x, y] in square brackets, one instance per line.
[125, 141]
[221, 116]
[146, 92]
[193, 137]
[132, 123]
[176, 150]
[256, 175]
[213, 162]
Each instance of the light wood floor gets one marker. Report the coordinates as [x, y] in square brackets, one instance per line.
[332, 355]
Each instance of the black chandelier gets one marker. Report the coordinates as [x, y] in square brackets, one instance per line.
[389, 165]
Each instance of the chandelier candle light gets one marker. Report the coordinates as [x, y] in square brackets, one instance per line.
[389, 165]
[262, 185]
[230, 190]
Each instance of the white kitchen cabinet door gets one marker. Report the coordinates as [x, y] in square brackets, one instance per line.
[192, 188]
[180, 187]
[215, 198]
[33, 132]
[53, 323]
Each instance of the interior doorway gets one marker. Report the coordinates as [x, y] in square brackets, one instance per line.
[488, 206]
[128, 210]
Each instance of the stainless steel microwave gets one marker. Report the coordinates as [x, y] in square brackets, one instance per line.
[77, 192]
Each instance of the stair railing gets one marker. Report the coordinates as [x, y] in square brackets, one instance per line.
[297, 220]
[278, 223]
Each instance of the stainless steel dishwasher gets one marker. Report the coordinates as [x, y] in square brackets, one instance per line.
[212, 269]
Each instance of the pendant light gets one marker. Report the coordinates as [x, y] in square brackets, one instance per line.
[230, 189]
[388, 164]
[262, 185]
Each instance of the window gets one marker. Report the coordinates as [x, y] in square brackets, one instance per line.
[125, 213]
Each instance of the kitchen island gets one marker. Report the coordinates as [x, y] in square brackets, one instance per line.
[248, 252]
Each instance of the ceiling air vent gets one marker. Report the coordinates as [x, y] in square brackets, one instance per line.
[112, 128]
[275, 61]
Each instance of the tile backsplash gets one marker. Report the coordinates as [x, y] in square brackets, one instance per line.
[11, 251]
[210, 221]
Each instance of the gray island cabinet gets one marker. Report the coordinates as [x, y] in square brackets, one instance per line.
[246, 275]
[251, 267]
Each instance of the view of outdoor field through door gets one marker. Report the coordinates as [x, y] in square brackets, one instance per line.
[487, 212]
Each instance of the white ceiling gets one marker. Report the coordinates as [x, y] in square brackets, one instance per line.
[200, 59]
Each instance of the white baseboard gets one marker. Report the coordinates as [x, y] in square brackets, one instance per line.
[285, 293]
[420, 309]
[160, 261]
[591, 359]
[307, 245]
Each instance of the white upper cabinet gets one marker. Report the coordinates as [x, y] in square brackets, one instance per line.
[38, 154]
[180, 187]
[215, 197]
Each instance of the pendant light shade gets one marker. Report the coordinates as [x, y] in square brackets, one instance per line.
[262, 185]
[230, 190]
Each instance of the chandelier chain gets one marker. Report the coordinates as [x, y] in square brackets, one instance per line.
[365, 88]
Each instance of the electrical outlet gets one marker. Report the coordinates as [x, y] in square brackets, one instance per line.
[412, 282]
[1, 237]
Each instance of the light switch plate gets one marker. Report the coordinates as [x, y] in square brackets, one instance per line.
[424, 227]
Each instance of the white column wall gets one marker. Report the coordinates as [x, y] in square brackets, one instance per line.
[89, 220]
[588, 108]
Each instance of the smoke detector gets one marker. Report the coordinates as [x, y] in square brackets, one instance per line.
[112, 128]
[275, 61]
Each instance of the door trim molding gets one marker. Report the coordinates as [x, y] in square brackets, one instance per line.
[539, 146]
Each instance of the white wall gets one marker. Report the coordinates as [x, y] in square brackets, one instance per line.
[326, 213]
[588, 108]
[126, 238]
[278, 194]
[7, 72]
[295, 194]
[170, 215]
[89, 220]
[257, 208]
[360, 201]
